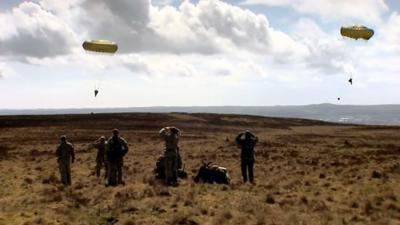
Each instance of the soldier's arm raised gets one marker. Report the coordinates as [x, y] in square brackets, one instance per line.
[97, 144]
[253, 135]
[163, 131]
[238, 138]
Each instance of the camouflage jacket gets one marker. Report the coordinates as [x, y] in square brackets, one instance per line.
[247, 145]
[171, 140]
[65, 152]
[116, 149]
[101, 149]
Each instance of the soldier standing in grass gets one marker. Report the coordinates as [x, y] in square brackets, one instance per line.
[247, 141]
[171, 137]
[100, 145]
[65, 155]
[116, 149]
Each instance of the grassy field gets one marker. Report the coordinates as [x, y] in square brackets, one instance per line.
[307, 172]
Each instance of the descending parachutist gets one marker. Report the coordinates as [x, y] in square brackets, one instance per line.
[100, 46]
[351, 81]
[357, 32]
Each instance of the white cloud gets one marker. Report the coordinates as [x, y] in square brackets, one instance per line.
[165, 2]
[364, 10]
[6, 71]
[212, 26]
[208, 27]
[30, 31]
[209, 39]
[389, 34]
[216, 38]
[48, 29]
[379, 57]
[327, 53]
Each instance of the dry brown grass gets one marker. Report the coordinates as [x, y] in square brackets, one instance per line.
[307, 172]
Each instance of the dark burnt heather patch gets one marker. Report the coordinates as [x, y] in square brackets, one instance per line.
[96, 120]
[372, 128]
[5, 150]
[258, 121]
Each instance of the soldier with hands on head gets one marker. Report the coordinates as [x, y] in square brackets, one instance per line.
[171, 159]
[247, 142]
[100, 145]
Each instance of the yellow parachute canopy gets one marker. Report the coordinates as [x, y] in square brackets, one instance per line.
[357, 32]
[103, 46]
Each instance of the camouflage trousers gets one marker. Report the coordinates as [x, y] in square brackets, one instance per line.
[100, 162]
[114, 175]
[65, 172]
[171, 166]
[247, 167]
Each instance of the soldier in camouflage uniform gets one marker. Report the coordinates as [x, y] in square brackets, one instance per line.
[100, 145]
[116, 149]
[247, 141]
[65, 155]
[171, 138]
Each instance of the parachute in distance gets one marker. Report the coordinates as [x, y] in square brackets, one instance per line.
[102, 46]
[357, 32]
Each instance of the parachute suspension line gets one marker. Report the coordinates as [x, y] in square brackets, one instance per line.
[99, 47]
[355, 32]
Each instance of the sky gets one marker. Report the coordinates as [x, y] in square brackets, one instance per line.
[197, 53]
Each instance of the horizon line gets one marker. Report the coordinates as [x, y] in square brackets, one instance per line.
[194, 106]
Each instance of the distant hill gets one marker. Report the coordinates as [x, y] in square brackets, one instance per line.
[368, 114]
